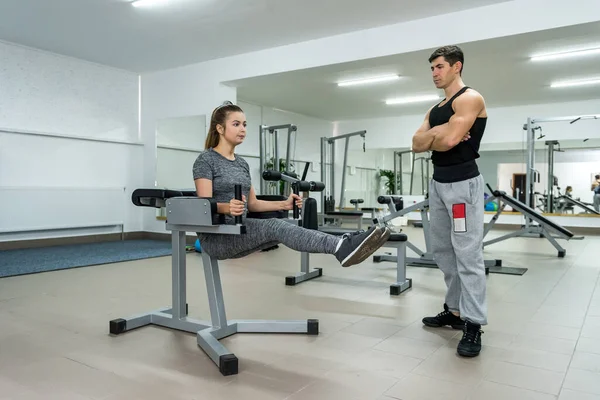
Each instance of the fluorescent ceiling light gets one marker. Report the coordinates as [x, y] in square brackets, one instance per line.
[366, 81]
[565, 54]
[412, 99]
[149, 3]
[583, 82]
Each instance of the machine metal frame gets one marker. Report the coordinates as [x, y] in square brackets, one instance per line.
[426, 258]
[188, 213]
[331, 142]
[262, 137]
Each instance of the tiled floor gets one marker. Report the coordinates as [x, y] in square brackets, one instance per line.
[542, 343]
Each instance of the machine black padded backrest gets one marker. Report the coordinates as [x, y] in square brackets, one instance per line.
[356, 201]
[156, 197]
[153, 197]
[310, 214]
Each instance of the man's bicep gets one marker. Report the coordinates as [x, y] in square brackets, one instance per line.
[466, 112]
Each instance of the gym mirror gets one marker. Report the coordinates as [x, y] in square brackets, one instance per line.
[178, 142]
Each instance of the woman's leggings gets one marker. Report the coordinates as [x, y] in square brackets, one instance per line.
[264, 233]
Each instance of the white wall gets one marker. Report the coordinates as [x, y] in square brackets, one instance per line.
[70, 154]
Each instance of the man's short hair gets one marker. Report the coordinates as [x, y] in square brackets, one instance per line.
[452, 54]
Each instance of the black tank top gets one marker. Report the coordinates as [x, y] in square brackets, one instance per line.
[458, 163]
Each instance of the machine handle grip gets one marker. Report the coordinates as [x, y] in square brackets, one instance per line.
[238, 196]
[271, 175]
[296, 210]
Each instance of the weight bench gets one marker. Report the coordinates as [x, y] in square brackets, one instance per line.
[188, 213]
[544, 229]
[356, 202]
[399, 241]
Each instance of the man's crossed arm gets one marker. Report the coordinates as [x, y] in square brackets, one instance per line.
[444, 137]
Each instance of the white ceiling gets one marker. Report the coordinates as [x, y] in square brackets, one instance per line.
[499, 68]
[114, 33]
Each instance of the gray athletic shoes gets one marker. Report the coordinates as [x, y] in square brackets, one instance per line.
[358, 246]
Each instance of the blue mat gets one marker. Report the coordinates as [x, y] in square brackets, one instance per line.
[29, 261]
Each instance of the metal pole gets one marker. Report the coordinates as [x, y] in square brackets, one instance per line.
[424, 167]
[275, 127]
[323, 173]
[289, 147]
[550, 197]
[332, 171]
[412, 172]
[291, 129]
[529, 192]
[396, 155]
[345, 164]
[428, 178]
[346, 135]
[276, 138]
[261, 141]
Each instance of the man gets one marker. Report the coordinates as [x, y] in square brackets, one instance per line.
[596, 190]
[452, 130]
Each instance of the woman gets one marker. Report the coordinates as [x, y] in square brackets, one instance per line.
[218, 169]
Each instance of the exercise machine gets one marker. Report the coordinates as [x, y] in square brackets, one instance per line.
[188, 213]
[309, 221]
[544, 227]
[552, 202]
[424, 162]
[425, 258]
[328, 203]
[269, 151]
[398, 171]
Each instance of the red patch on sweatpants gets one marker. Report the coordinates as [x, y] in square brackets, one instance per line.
[459, 216]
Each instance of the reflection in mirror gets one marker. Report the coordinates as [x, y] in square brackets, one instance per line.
[565, 169]
[378, 172]
[179, 140]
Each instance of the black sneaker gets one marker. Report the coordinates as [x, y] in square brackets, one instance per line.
[470, 344]
[444, 318]
[358, 246]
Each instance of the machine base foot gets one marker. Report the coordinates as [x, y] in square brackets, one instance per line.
[117, 326]
[397, 289]
[228, 364]
[312, 327]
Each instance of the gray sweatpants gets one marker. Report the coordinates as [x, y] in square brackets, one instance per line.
[597, 202]
[264, 233]
[456, 212]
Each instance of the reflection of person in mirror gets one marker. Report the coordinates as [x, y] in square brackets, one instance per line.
[569, 191]
[596, 190]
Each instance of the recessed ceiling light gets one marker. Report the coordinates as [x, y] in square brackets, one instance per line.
[581, 82]
[149, 3]
[412, 99]
[366, 81]
[566, 54]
